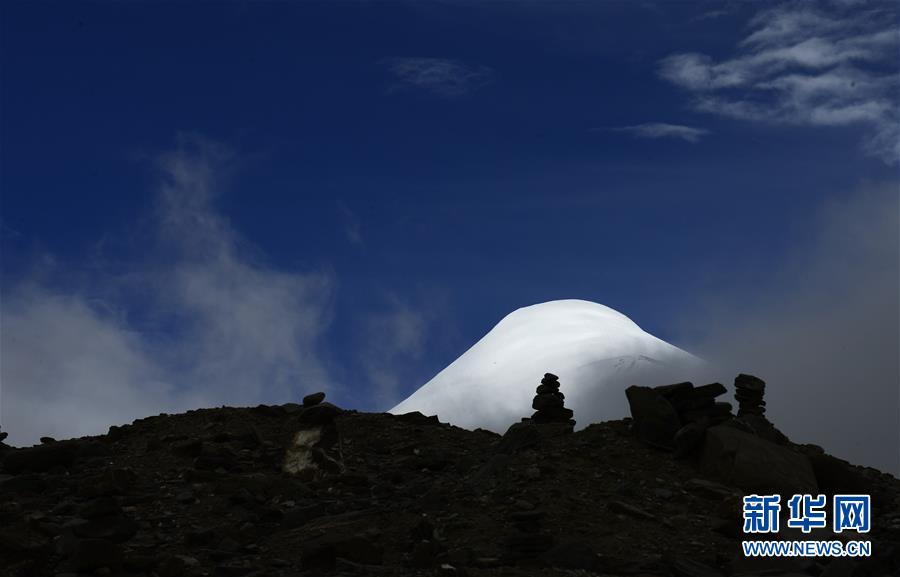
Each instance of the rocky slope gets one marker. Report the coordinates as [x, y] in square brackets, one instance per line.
[316, 490]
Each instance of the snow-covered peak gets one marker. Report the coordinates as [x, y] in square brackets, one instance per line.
[596, 351]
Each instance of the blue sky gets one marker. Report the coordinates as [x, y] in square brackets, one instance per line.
[395, 177]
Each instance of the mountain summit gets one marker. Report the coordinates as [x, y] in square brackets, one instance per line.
[596, 351]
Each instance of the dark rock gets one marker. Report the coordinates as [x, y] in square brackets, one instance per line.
[674, 391]
[200, 537]
[116, 529]
[709, 391]
[189, 448]
[545, 402]
[553, 415]
[213, 457]
[519, 436]
[683, 567]
[548, 389]
[750, 382]
[522, 544]
[115, 433]
[90, 554]
[423, 530]
[47, 440]
[617, 506]
[761, 427]
[100, 507]
[836, 476]
[172, 566]
[689, 437]
[573, 555]
[708, 489]
[424, 554]
[321, 552]
[754, 464]
[23, 484]
[549, 403]
[528, 521]
[18, 541]
[40, 458]
[313, 399]
[232, 570]
[840, 568]
[418, 418]
[299, 516]
[318, 415]
[655, 419]
[110, 482]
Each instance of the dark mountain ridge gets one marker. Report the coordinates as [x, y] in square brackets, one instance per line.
[312, 489]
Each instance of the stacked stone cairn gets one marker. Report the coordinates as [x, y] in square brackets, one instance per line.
[749, 392]
[549, 403]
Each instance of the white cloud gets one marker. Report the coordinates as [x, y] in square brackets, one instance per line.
[440, 76]
[806, 64]
[663, 130]
[199, 321]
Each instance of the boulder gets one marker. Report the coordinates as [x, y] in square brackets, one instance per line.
[655, 419]
[313, 399]
[744, 460]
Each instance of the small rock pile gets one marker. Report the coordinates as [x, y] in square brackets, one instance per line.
[749, 392]
[548, 403]
[676, 416]
[695, 404]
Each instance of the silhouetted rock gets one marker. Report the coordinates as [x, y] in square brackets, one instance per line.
[655, 420]
[754, 464]
[40, 458]
[313, 399]
[408, 496]
[749, 392]
[549, 403]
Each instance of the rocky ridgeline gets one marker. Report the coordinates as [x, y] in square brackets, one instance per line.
[312, 489]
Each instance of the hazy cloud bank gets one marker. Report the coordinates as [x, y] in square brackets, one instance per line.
[821, 327]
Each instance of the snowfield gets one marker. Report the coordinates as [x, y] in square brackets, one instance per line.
[596, 351]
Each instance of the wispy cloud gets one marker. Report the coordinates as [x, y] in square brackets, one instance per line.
[662, 130]
[440, 76]
[806, 64]
[352, 225]
[389, 339]
[200, 320]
